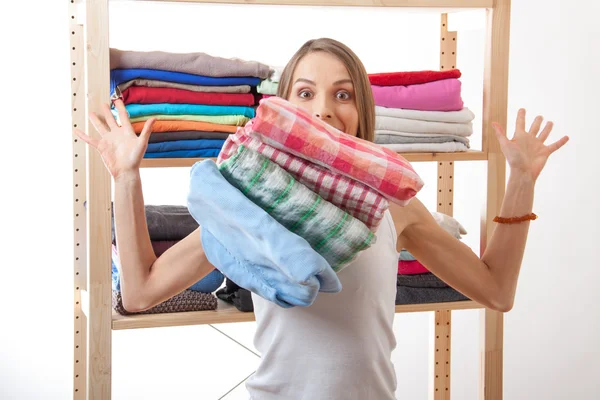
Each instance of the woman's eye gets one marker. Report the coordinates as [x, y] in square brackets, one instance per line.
[343, 95]
[305, 94]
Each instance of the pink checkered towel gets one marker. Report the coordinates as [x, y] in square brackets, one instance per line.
[358, 200]
[293, 130]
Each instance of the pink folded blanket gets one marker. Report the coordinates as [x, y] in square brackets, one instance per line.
[358, 200]
[411, 267]
[444, 95]
[293, 130]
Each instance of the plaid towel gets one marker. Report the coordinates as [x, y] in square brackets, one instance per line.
[330, 231]
[358, 200]
[292, 129]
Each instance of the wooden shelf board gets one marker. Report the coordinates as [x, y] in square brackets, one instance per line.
[444, 4]
[474, 155]
[226, 313]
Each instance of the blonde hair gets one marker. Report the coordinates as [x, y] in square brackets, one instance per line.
[363, 94]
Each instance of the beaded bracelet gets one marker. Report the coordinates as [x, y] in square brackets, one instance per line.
[514, 220]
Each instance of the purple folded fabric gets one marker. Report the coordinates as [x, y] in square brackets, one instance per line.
[441, 95]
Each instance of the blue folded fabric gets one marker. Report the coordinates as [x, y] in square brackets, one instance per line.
[250, 247]
[193, 144]
[118, 76]
[201, 153]
[142, 110]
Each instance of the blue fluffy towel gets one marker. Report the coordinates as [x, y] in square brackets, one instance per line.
[250, 247]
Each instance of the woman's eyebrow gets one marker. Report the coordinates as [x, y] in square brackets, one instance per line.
[341, 81]
[306, 81]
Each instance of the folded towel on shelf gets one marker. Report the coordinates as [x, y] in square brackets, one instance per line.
[139, 110]
[186, 301]
[293, 130]
[146, 95]
[415, 126]
[150, 83]
[447, 147]
[183, 125]
[386, 138]
[411, 295]
[156, 137]
[166, 222]
[411, 77]
[360, 201]
[444, 95]
[233, 120]
[427, 280]
[267, 87]
[192, 63]
[199, 153]
[250, 247]
[118, 76]
[411, 267]
[463, 116]
[198, 144]
[332, 232]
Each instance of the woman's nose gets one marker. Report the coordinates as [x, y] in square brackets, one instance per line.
[322, 110]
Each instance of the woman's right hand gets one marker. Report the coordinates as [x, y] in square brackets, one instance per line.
[121, 149]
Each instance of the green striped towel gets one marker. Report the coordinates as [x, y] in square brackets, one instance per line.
[332, 232]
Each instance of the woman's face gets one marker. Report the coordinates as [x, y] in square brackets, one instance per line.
[322, 86]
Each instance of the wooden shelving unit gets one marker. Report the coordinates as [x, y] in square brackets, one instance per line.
[94, 318]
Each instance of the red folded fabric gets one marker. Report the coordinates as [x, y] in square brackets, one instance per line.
[411, 77]
[156, 95]
[411, 268]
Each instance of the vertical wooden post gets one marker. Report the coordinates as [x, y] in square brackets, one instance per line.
[442, 319]
[495, 104]
[79, 194]
[98, 207]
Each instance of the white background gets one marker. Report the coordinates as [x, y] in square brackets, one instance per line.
[551, 346]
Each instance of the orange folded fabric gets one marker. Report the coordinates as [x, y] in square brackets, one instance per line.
[176, 126]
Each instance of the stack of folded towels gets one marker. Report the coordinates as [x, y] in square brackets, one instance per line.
[197, 99]
[167, 225]
[421, 111]
[291, 201]
[416, 284]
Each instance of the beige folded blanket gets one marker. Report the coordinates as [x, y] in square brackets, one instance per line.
[189, 63]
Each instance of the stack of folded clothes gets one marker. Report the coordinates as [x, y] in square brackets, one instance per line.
[197, 99]
[302, 211]
[167, 225]
[421, 111]
[415, 283]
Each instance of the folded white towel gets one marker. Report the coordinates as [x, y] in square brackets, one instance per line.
[388, 137]
[417, 126]
[448, 147]
[463, 116]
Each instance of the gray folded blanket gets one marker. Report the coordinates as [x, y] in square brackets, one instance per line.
[189, 63]
[412, 295]
[427, 280]
[166, 222]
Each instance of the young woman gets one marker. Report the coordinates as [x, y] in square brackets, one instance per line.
[339, 347]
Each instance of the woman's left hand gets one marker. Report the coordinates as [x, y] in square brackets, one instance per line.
[526, 152]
